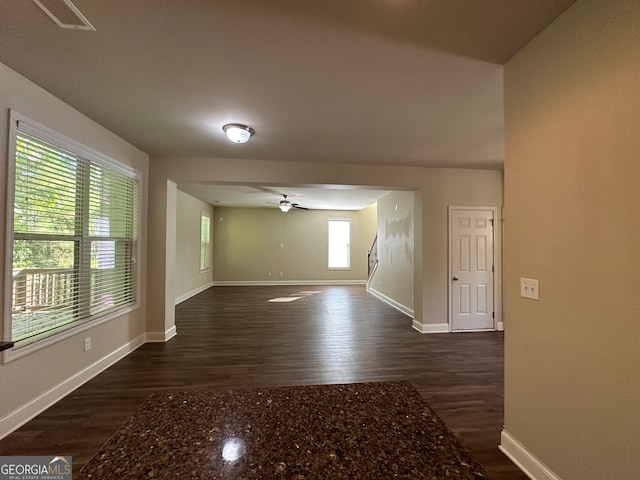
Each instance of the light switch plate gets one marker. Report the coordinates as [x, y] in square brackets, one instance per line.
[530, 288]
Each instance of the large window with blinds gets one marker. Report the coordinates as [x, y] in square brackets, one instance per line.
[75, 231]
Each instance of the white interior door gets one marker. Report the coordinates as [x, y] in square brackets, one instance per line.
[472, 282]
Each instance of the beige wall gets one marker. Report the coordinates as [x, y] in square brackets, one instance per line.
[394, 276]
[25, 378]
[250, 243]
[572, 197]
[188, 279]
[437, 188]
[368, 230]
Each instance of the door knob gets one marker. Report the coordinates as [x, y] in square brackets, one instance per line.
[455, 279]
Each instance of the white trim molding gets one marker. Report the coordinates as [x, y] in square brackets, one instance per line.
[390, 301]
[160, 337]
[242, 283]
[370, 279]
[193, 293]
[500, 326]
[431, 327]
[21, 415]
[525, 461]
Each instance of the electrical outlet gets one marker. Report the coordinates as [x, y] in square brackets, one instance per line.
[530, 288]
[282, 274]
[87, 344]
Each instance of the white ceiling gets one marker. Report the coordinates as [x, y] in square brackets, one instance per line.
[326, 197]
[389, 82]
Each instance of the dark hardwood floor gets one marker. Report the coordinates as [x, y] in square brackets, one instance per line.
[232, 337]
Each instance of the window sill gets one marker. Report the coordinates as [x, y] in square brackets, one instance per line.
[16, 350]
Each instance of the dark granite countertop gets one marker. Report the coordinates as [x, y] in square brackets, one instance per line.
[356, 431]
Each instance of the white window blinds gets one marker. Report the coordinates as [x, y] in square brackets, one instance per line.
[75, 230]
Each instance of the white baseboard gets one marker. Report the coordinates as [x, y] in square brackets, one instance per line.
[160, 337]
[21, 415]
[371, 275]
[258, 283]
[431, 327]
[528, 463]
[193, 293]
[500, 327]
[390, 301]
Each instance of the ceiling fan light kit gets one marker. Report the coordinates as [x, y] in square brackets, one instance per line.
[238, 133]
[285, 206]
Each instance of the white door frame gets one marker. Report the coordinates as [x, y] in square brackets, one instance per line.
[497, 264]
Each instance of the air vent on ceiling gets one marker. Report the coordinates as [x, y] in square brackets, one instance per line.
[65, 14]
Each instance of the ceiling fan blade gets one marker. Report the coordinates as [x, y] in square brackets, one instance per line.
[295, 205]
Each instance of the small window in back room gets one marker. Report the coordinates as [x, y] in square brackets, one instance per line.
[205, 241]
[339, 244]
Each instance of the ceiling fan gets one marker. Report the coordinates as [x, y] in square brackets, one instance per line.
[285, 205]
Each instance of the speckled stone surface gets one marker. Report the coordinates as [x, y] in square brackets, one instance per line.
[356, 431]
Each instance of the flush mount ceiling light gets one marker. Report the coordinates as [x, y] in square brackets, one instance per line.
[238, 133]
